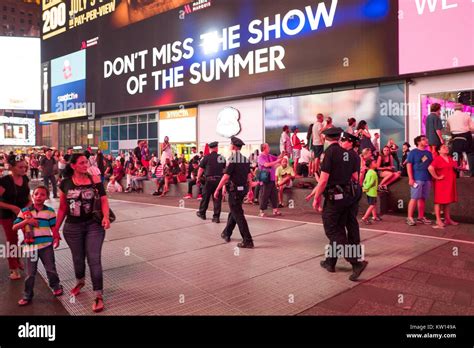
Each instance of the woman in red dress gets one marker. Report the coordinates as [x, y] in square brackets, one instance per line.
[443, 171]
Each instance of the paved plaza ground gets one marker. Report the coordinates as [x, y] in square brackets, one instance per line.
[160, 259]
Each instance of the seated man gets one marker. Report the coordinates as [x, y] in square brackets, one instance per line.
[159, 178]
[113, 186]
[193, 181]
[285, 176]
[302, 169]
[140, 176]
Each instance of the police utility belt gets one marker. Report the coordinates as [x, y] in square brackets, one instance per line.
[213, 177]
[231, 187]
[339, 192]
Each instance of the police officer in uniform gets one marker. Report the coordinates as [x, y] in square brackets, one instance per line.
[236, 180]
[212, 166]
[349, 142]
[339, 172]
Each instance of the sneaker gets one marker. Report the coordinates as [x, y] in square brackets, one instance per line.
[378, 218]
[366, 221]
[424, 220]
[15, 275]
[357, 269]
[411, 222]
[262, 213]
[156, 193]
[281, 205]
[199, 197]
[98, 305]
[328, 267]
[24, 302]
[188, 196]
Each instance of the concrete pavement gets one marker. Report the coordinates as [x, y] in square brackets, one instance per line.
[163, 260]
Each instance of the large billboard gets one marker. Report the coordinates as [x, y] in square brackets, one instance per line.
[19, 77]
[435, 35]
[207, 50]
[17, 131]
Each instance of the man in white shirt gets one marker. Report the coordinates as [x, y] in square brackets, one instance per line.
[305, 159]
[318, 142]
[461, 125]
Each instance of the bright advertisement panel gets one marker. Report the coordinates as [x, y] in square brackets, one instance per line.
[20, 83]
[17, 131]
[226, 48]
[435, 34]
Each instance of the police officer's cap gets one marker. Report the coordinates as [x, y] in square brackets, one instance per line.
[237, 142]
[333, 132]
[213, 144]
[352, 138]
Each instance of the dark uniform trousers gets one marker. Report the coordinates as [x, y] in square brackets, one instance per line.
[337, 216]
[237, 217]
[208, 192]
[463, 143]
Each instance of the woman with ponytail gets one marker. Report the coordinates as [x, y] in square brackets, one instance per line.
[82, 233]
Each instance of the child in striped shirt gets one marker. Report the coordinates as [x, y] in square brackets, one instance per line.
[36, 222]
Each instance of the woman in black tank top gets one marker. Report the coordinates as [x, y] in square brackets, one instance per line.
[386, 169]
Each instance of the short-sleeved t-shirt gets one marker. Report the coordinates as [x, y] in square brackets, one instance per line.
[213, 164]
[80, 199]
[317, 134]
[421, 160]
[433, 123]
[48, 165]
[238, 169]
[280, 172]
[14, 194]
[339, 164]
[42, 234]
[262, 159]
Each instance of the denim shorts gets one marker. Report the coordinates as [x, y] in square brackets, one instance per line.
[372, 200]
[422, 191]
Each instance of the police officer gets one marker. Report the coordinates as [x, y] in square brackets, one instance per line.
[236, 180]
[349, 142]
[338, 172]
[212, 167]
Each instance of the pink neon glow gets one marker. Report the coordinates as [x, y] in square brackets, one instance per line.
[447, 108]
[441, 39]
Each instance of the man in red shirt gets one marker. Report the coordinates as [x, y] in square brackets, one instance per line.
[296, 142]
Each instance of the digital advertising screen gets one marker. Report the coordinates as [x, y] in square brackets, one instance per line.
[17, 131]
[140, 54]
[19, 78]
[435, 35]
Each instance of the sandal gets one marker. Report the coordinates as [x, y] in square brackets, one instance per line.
[14, 275]
[98, 305]
[24, 302]
[438, 227]
[77, 289]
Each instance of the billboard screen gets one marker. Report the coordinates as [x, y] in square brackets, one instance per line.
[17, 131]
[435, 35]
[19, 67]
[207, 50]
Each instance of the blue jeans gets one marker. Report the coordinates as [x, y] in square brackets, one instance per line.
[85, 239]
[52, 178]
[46, 255]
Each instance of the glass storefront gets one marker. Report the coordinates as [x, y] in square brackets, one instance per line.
[79, 133]
[381, 106]
[122, 132]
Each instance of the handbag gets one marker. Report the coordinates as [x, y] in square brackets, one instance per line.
[97, 214]
[263, 176]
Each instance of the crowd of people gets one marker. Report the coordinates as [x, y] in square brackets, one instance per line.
[84, 178]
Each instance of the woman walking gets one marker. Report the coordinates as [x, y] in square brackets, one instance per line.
[14, 196]
[82, 232]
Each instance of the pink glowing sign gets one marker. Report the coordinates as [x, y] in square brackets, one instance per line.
[447, 109]
[435, 34]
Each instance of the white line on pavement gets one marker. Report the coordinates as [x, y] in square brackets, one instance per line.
[319, 224]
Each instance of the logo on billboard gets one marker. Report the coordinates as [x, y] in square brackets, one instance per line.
[67, 70]
[197, 6]
[228, 123]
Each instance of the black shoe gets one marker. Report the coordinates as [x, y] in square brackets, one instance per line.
[216, 220]
[281, 205]
[200, 216]
[225, 237]
[248, 245]
[357, 269]
[327, 266]
[156, 193]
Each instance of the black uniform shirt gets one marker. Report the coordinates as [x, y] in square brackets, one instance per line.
[238, 169]
[213, 164]
[339, 164]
